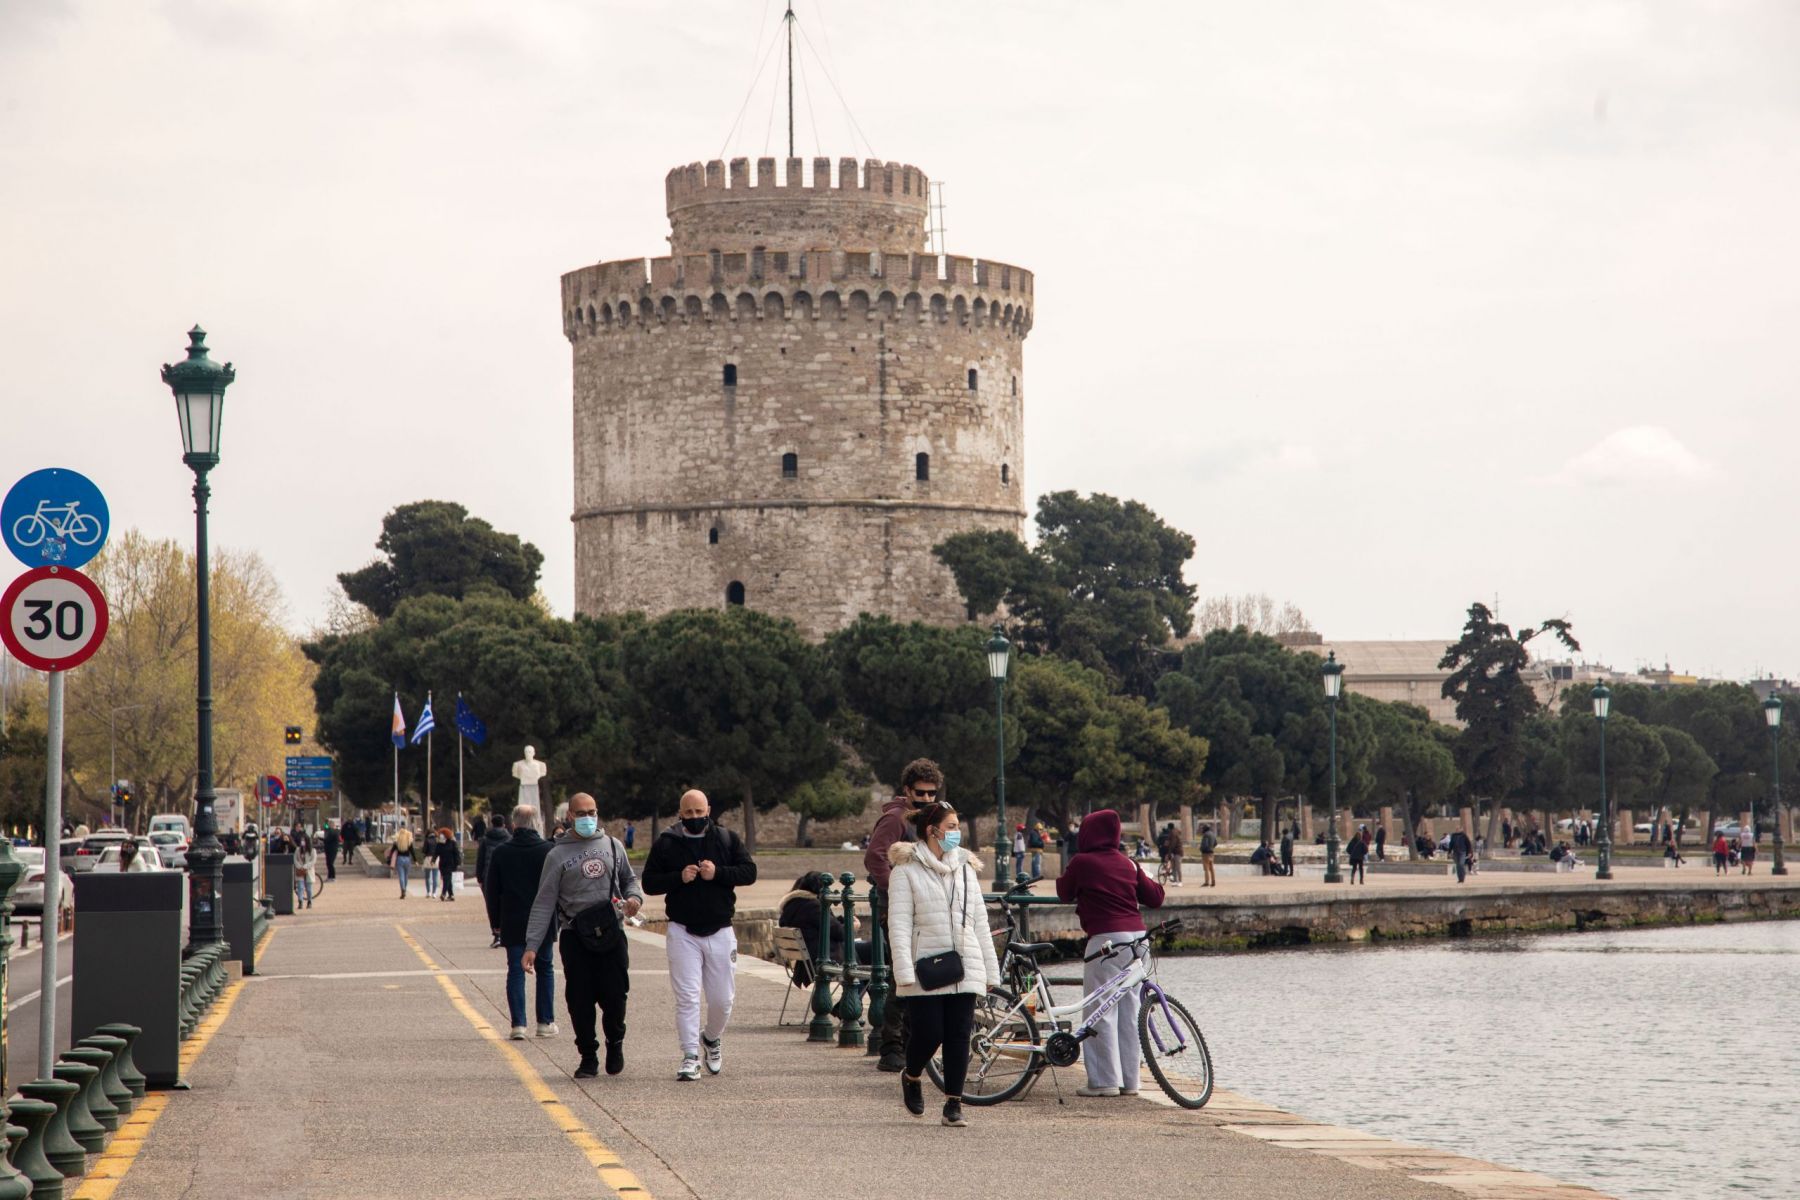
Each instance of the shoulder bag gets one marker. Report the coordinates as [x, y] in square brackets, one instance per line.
[597, 927]
[945, 968]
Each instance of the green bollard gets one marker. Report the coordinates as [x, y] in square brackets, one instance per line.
[63, 1151]
[46, 1180]
[820, 1028]
[110, 1083]
[878, 969]
[103, 1110]
[850, 1027]
[185, 1010]
[88, 1133]
[129, 1075]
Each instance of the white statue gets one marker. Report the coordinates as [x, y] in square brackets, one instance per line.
[528, 771]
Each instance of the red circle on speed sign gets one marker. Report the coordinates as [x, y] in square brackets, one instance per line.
[53, 618]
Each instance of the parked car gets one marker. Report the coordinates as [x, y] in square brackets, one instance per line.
[28, 897]
[172, 823]
[109, 858]
[70, 850]
[92, 846]
[1730, 828]
[172, 847]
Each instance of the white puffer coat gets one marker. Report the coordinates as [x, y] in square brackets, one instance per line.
[922, 921]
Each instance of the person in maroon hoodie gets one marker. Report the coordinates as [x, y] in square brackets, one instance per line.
[921, 782]
[1107, 888]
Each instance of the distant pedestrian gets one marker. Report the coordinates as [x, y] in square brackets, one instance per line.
[943, 954]
[1506, 833]
[1018, 850]
[1747, 848]
[1673, 853]
[399, 856]
[1721, 852]
[1177, 848]
[630, 834]
[584, 873]
[431, 863]
[1287, 852]
[304, 859]
[352, 839]
[1460, 849]
[478, 827]
[1107, 890]
[497, 835]
[921, 783]
[1034, 842]
[699, 865]
[1209, 846]
[511, 887]
[1357, 850]
[331, 845]
[449, 862]
[1381, 843]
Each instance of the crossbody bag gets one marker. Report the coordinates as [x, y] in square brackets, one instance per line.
[944, 968]
[597, 927]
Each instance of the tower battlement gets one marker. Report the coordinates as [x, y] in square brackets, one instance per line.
[872, 205]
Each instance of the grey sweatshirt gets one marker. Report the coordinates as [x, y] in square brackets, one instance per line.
[576, 877]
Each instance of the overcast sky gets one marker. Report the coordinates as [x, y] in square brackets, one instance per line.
[1393, 306]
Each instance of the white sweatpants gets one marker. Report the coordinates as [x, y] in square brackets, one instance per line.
[702, 963]
[1111, 1054]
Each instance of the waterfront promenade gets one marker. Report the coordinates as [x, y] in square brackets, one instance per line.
[366, 1058]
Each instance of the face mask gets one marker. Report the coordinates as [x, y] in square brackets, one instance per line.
[951, 838]
[695, 825]
[587, 826]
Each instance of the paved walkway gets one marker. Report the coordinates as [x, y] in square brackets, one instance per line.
[366, 1058]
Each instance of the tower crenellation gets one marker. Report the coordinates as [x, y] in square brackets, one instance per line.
[794, 406]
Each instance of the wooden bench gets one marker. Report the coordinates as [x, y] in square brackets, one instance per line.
[790, 952]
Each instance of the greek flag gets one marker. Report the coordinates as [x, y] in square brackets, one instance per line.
[399, 723]
[467, 723]
[426, 724]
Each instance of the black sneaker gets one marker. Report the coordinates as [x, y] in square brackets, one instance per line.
[891, 1061]
[913, 1094]
[953, 1113]
[615, 1057]
[589, 1068]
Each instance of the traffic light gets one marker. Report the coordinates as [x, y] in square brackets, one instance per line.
[125, 796]
[293, 735]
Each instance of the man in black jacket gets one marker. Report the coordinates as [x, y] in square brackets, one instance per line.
[511, 885]
[699, 867]
[330, 849]
[497, 836]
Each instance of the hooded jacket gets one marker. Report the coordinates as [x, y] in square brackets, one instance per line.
[890, 827]
[1105, 886]
[935, 905]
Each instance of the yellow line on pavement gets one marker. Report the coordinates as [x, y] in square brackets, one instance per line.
[612, 1172]
[108, 1170]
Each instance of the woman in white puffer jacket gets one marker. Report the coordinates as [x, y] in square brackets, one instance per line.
[934, 905]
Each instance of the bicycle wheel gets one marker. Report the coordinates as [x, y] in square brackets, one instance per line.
[1004, 1051]
[28, 530]
[1175, 1050]
[84, 530]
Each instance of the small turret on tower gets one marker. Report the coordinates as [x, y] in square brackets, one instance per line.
[872, 206]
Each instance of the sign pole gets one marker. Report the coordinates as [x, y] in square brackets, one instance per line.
[53, 760]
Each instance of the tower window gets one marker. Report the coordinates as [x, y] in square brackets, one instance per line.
[1005, 473]
[1015, 380]
[922, 467]
[712, 536]
[730, 374]
[973, 376]
[790, 466]
[734, 593]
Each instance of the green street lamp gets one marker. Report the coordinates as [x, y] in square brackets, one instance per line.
[1772, 714]
[999, 656]
[199, 385]
[1602, 706]
[1333, 674]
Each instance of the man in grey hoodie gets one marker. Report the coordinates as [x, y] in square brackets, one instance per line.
[587, 867]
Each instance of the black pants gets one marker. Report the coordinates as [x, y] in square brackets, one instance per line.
[444, 882]
[945, 1021]
[891, 1038]
[1356, 871]
[591, 980]
[331, 864]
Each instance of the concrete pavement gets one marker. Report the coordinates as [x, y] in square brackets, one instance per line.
[366, 1059]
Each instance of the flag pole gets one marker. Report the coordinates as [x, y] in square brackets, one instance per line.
[459, 770]
[425, 808]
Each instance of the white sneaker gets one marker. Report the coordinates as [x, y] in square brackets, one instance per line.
[1085, 1090]
[549, 1030]
[518, 1033]
[715, 1055]
[690, 1068]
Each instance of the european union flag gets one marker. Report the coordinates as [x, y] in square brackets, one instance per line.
[467, 723]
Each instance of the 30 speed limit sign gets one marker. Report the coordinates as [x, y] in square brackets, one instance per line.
[54, 618]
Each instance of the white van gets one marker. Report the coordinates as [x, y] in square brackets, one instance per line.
[172, 823]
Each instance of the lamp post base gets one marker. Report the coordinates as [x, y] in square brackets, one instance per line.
[1604, 868]
[1332, 873]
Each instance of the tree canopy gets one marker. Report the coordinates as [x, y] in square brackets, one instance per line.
[435, 548]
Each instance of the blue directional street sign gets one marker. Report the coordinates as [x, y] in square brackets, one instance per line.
[54, 517]
[303, 761]
[309, 773]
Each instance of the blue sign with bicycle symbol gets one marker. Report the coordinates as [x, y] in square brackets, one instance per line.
[54, 517]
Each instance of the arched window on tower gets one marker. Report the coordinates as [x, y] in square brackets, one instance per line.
[712, 536]
[973, 378]
[922, 467]
[730, 374]
[734, 593]
[790, 465]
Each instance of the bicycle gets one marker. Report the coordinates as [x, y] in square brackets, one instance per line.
[1007, 1051]
[60, 519]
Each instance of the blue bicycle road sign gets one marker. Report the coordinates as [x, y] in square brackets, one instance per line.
[54, 517]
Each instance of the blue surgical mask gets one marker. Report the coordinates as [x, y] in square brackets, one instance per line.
[586, 826]
[952, 838]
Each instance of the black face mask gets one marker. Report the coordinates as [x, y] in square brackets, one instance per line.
[695, 825]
